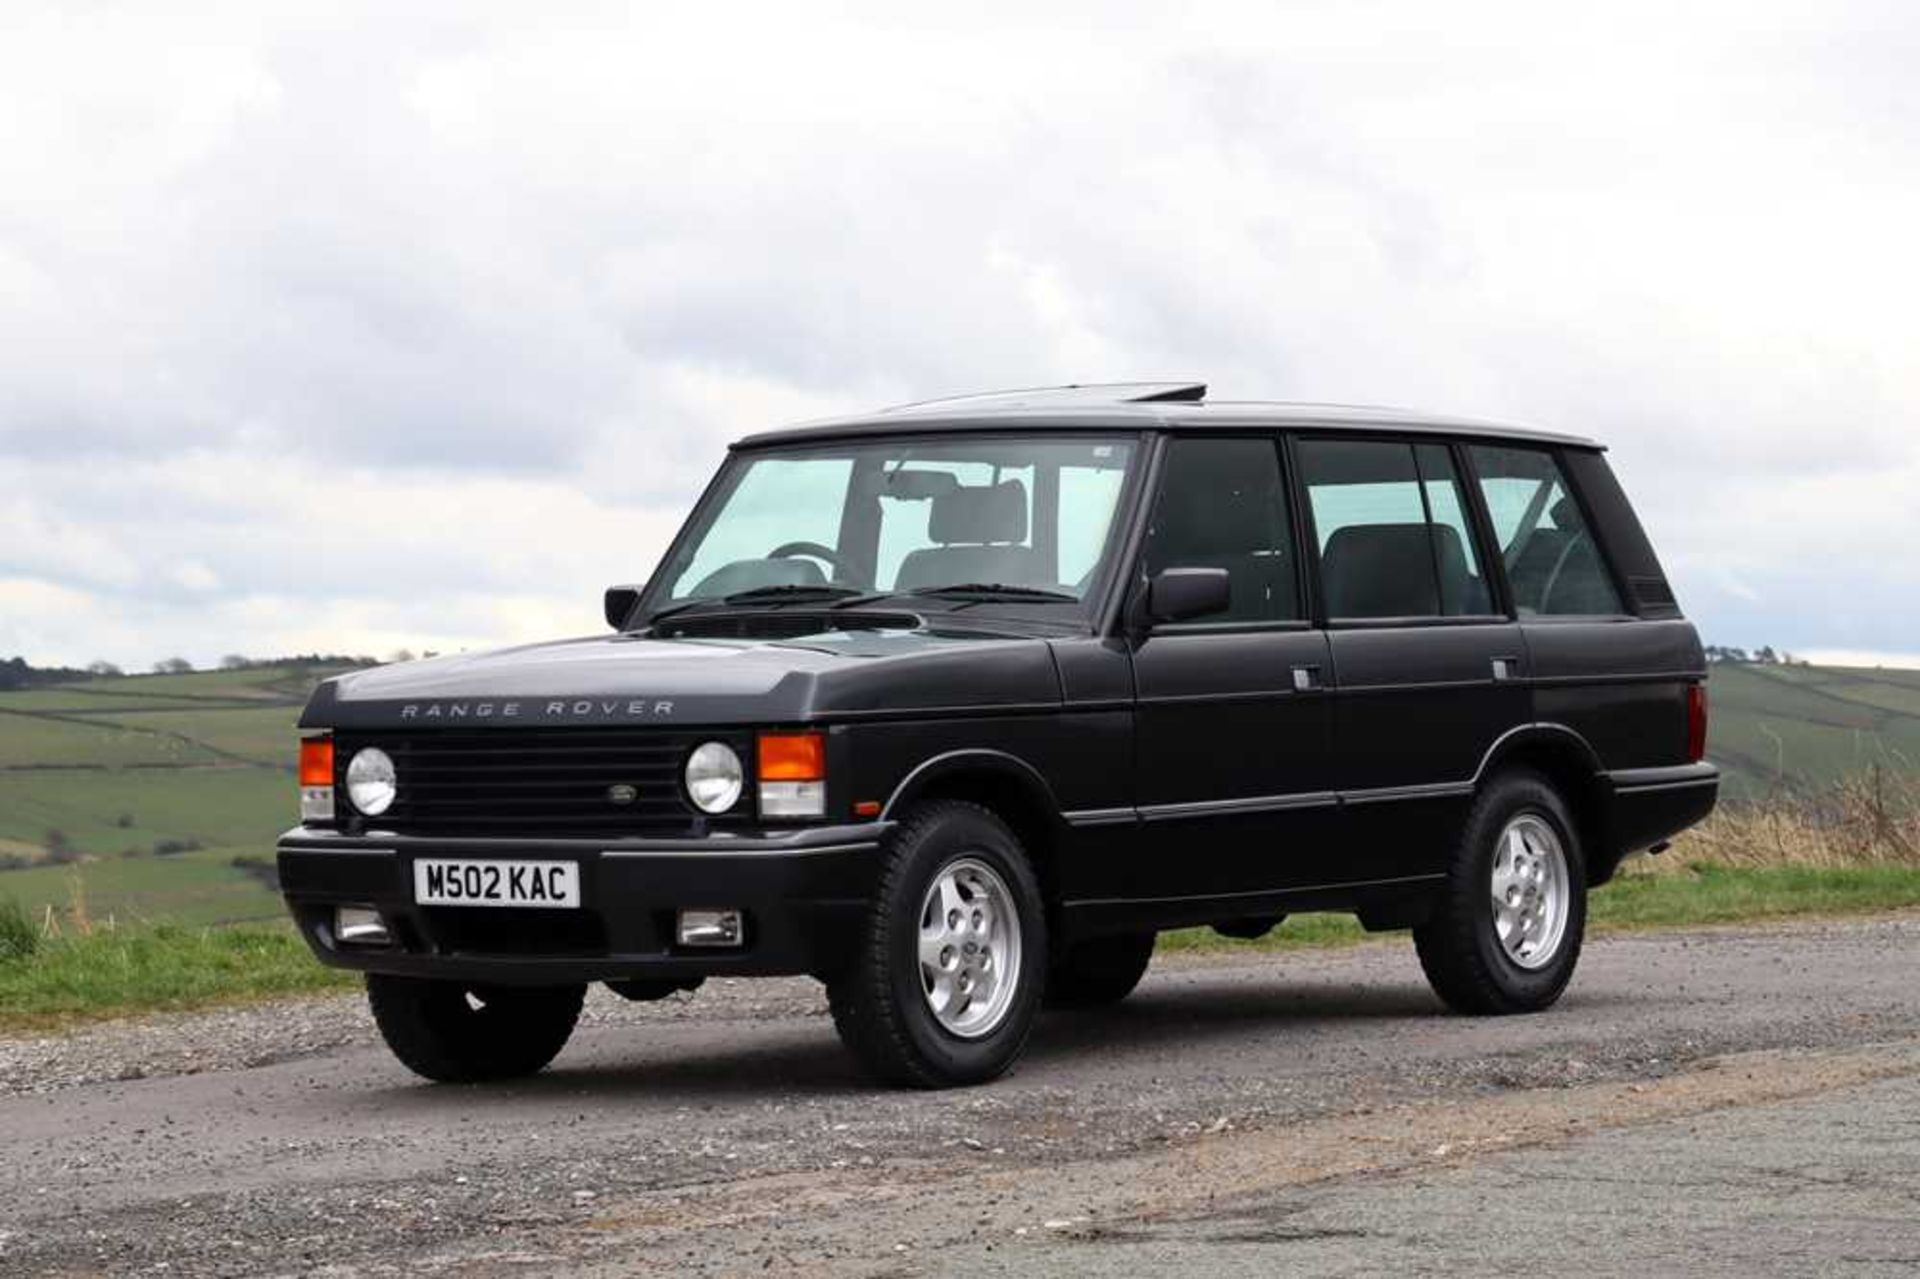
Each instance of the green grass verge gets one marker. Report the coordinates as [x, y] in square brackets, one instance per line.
[68, 979]
[1669, 899]
[108, 974]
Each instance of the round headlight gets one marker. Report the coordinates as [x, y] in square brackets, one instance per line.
[371, 782]
[714, 777]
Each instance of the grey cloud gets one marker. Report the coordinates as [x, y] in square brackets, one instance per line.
[373, 311]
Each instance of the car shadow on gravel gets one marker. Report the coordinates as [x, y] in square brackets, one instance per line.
[644, 1064]
[1153, 1019]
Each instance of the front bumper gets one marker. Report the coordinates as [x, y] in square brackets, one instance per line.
[804, 892]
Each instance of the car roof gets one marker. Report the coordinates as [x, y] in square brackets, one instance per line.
[1137, 406]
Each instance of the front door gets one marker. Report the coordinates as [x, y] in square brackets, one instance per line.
[1234, 722]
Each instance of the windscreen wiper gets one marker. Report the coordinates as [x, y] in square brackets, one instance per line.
[995, 590]
[791, 592]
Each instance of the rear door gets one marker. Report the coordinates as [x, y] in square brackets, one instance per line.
[1618, 680]
[1234, 722]
[1429, 671]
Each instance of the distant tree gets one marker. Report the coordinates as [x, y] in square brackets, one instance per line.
[16, 673]
[172, 666]
[60, 849]
[1766, 656]
[105, 669]
[401, 655]
[234, 662]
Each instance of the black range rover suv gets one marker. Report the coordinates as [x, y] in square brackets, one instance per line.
[955, 706]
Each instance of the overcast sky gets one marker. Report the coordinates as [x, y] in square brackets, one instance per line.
[354, 332]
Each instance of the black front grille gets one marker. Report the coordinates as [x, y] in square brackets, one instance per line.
[533, 781]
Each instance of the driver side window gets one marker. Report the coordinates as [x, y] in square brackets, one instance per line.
[1223, 505]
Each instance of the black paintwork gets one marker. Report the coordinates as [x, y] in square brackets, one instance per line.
[1160, 773]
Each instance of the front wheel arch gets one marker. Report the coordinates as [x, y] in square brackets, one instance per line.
[1008, 787]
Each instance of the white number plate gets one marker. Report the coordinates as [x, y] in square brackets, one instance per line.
[440, 882]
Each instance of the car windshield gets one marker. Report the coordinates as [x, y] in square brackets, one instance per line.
[1024, 519]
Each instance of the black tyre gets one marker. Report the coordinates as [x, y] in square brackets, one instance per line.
[452, 1032]
[1506, 932]
[953, 956]
[1099, 970]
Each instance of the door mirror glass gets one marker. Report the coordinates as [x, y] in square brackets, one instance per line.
[619, 605]
[1181, 594]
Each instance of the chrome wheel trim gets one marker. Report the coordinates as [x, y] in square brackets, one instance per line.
[969, 948]
[1531, 891]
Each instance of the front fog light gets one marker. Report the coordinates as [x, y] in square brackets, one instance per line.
[714, 777]
[710, 928]
[372, 783]
[360, 926]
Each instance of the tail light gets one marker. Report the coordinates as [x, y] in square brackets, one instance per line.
[316, 778]
[793, 775]
[1696, 722]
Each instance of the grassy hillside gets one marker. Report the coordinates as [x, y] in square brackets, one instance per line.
[119, 766]
[107, 771]
[1804, 727]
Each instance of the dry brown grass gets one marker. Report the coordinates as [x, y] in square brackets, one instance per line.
[1872, 819]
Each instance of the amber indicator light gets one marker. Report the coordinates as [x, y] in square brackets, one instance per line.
[316, 761]
[793, 757]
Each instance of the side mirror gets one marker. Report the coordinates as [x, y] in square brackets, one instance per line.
[1179, 594]
[620, 604]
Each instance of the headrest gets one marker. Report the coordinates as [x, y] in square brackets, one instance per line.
[1381, 570]
[980, 514]
[1565, 514]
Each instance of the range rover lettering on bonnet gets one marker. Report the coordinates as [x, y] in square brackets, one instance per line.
[558, 708]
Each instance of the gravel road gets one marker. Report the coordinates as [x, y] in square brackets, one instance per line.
[1243, 1112]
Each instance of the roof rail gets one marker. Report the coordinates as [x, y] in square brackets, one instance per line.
[1075, 393]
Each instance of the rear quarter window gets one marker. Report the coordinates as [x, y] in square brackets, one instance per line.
[1553, 560]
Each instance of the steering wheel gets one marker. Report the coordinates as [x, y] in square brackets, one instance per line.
[1553, 578]
[842, 570]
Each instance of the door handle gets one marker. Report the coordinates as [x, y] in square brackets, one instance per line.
[1306, 679]
[1505, 668]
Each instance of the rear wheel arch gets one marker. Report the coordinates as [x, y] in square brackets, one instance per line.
[1570, 765]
